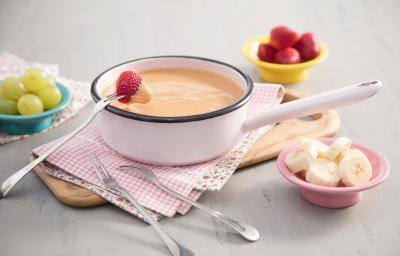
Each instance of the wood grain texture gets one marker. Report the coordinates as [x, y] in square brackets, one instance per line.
[286, 132]
[68, 193]
[267, 147]
[86, 37]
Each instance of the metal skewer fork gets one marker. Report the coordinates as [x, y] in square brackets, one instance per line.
[243, 229]
[108, 181]
[9, 183]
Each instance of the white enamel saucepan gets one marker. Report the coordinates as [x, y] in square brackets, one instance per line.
[191, 139]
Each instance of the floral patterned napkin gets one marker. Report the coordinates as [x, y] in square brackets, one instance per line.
[211, 175]
[71, 163]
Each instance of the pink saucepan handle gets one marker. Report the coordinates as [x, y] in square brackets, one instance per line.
[314, 104]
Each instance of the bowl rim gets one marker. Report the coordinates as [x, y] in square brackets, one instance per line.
[66, 99]
[246, 49]
[177, 119]
[383, 164]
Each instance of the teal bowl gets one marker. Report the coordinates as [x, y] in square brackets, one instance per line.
[28, 124]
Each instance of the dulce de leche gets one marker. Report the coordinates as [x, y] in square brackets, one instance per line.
[180, 92]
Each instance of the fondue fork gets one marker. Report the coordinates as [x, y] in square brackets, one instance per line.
[247, 231]
[175, 248]
[9, 183]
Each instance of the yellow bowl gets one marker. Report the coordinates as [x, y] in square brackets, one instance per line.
[280, 73]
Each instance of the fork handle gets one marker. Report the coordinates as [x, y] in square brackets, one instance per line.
[175, 248]
[11, 181]
[247, 231]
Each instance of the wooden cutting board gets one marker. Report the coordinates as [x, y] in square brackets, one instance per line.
[267, 147]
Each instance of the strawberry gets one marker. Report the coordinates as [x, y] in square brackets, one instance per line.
[282, 37]
[288, 55]
[128, 84]
[266, 52]
[307, 46]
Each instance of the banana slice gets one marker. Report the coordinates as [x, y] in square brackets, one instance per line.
[338, 149]
[301, 158]
[321, 147]
[143, 95]
[323, 172]
[355, 168]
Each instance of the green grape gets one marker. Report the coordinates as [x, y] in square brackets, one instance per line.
[50, 81]
[50, 96]
[8, 107]
[29, 104]
[11, 88]
[35, 79]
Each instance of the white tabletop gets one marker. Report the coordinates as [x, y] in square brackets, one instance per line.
[85, 37]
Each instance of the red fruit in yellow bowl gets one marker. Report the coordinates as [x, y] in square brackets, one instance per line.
[280, 73]
[307, 46]
[266, 53]
[282, 37]
[288, 55]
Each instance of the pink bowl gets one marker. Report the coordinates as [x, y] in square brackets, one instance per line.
[336, 197]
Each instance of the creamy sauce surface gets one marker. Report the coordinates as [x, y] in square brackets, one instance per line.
[183, 92]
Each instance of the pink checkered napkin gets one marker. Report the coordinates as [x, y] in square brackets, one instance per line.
[73, 162]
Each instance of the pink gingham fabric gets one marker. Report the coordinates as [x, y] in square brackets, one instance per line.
[72, 164]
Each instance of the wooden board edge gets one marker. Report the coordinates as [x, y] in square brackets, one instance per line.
[76, 196]
[68, 193]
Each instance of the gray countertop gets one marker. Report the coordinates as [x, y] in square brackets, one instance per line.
[85, 37]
